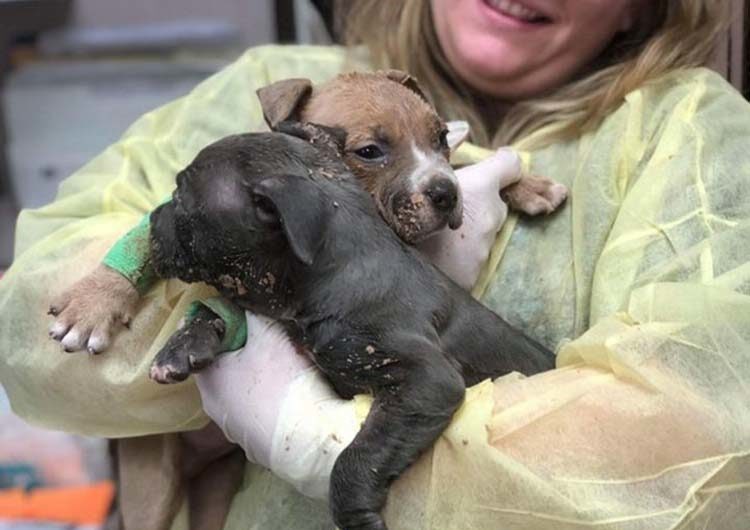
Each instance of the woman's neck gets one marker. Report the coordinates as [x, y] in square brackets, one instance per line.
[492, 112]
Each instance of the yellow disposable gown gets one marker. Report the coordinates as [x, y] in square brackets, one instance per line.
[642, 282]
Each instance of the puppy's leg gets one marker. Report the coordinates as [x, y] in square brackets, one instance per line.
[212, 470]
[210, 493]
[88, 312]
[149, 489]
[189, 349]
[534, 195]
[405, 419]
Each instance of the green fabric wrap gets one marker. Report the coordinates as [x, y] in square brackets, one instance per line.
[235, 333]
[130, 256]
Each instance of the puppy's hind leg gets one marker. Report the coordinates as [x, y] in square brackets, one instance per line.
[210, 493]
[212, 469]
[405, 419]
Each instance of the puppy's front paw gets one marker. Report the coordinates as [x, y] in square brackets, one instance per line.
[89, 311]
[189, 350]
[535, 195]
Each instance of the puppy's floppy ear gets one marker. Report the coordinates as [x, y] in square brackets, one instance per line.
[407, 80]
[284, 100]
[303, 211]
[458, 131]
[334, 137]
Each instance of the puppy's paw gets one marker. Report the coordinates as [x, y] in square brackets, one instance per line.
[535, 195]
[88, 313]
[167, 373]
[189, 350]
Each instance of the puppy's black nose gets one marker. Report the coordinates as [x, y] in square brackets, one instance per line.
[444, 194]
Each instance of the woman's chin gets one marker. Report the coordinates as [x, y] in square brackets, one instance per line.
[490, 66]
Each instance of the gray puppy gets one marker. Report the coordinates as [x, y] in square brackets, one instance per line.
[279, 225]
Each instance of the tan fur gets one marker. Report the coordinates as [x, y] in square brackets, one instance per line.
[535, 195]
[212, 469]
[148, 494]
[385, 108]
[281, 100]
[95, 304]
[372, 107]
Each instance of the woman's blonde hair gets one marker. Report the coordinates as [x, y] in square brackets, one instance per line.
[675, 34]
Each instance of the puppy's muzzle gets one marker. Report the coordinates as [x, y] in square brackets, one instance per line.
[445, 197]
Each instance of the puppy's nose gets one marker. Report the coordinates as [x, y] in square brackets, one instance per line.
[444, 194]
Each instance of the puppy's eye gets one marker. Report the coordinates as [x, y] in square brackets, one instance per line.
[370, 152]
[443, 139]
[265, 211]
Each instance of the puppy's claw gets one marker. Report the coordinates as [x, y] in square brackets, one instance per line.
[58, 330]
[75, 340]
[99, 339]
[95, 348]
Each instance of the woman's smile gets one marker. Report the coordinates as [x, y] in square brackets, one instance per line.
[513, 14]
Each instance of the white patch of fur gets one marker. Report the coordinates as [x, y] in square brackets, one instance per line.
[426, 167]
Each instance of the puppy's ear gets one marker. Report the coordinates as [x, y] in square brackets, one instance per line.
[303, 212]
[458, 131]
[333, 137]
[407, 80]
[284, 100]
[167, 253]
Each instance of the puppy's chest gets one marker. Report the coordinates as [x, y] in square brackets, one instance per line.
[255, 289]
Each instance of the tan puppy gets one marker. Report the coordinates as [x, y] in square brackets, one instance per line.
[398, 146]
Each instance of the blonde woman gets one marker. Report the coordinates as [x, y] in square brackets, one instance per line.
[641, 282]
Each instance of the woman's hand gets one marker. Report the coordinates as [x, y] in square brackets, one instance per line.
[462, 253]
[269, 399]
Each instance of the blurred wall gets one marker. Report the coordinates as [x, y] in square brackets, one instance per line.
[254, 17]
[75, 90]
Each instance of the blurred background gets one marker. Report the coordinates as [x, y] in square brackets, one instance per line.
[73, 75]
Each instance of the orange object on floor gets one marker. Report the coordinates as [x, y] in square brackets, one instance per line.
[78, 505]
